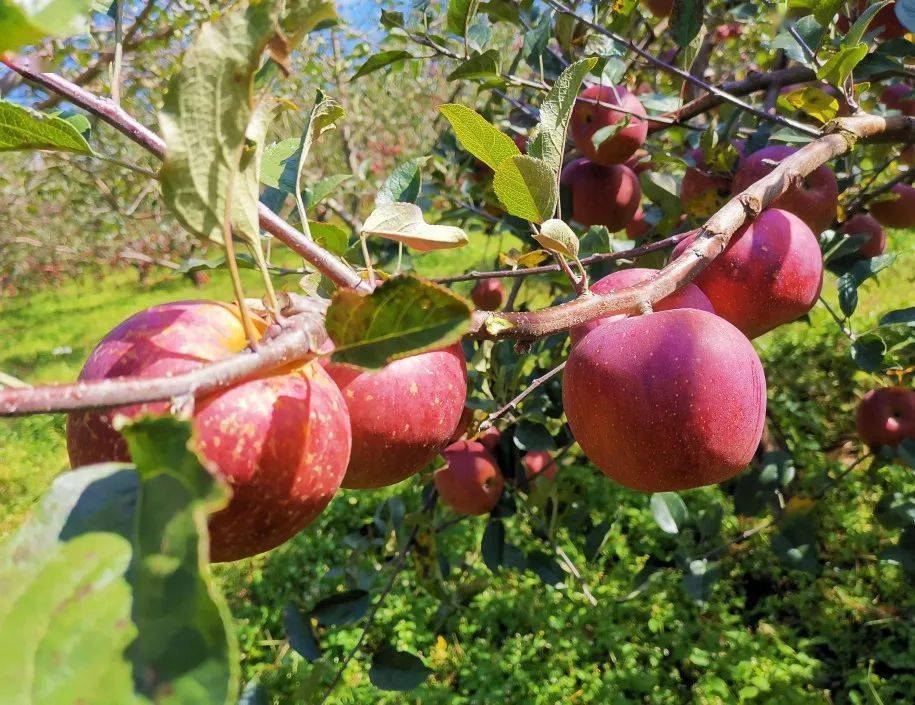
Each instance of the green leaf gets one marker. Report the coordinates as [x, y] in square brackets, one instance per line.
[323, 118]
[403, 184]
[380, 60]
[686, 20]
[526, 187]
[555, 111]
[254, 693]
[478, 136]
[699, 578]
[840, 65]
[496, 551]
[213, 127]
[23, 128]
[868, 351]
[329, 236]
[904, 316]
[397, 670]
[404, 316]
[106, 588]
[278, 165]
[669, 511]
[341, 608]
[816, 103]
[479, 67]
[848, 294]
[825, 10]
[299, 633]
[26, 22]
[557, 236]
[305, 16]
[530, 435]
[607, 131]
[795, 545]
[811, 31]
[858, 29]
[896, 510]
[460, 13]
[315, 193]
[404, 223]
[545, 567]
[537, 39]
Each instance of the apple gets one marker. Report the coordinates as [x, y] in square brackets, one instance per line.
[488, 294]
[539, 463]
[602, 195]
[463, 424]
[659, 8]
[640, 161]
[690, 296]
[901, 97]
[589, 117]
[770, 273]
[815, 201]
[638, 227]
[864, 224]
[666, 401]
[490, 438]
[898, 212]
[470, 483]
[401, 415]
[907, 156]
[280, 441]
[886, 416]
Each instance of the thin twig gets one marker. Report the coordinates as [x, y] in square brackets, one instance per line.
[513, 404]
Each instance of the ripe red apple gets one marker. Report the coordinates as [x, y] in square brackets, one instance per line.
[899, 212]
[602, 195]
[899, 96]
[864, 224]
[690, 296]
[471, 482]
[463, 424]
[539, 463]
[659, 8]
[638, 227]
[589, 117]
[401, 415]
[885, 21]
[814, 201]
[770, 273]
[490, 438]
[886, 416]
[488, 294]
[281, 442]
[666, 401]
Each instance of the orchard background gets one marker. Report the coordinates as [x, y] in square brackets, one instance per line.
[789, 583]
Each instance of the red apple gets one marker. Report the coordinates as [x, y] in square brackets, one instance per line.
[462, 425]
[488, 294]
[659, 8]
[602, 195]
[471, 482]
[864, 224]
[898, 212]
[907, 156]
[539, 463]
[901, 97]
[401, 415]
[666, 401]
[886, 416]
[490, 438]
[588, 117]
[281, 442]
[814, 201]
[690, 296]
[770, 273]
[638, 227]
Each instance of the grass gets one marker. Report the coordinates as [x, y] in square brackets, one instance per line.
[764, 634]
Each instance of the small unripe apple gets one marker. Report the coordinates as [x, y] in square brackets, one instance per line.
[281, 442]
[666, 401]
[690, 296]
[470, 483]
[898, 212]
[901, 97]
[770, 273]
[539, 463]
[659, 8]
[886, 416]
[864, 224]
[488, 294]
[602, 195]
[814, 201]
[589, 117]
[401, 415]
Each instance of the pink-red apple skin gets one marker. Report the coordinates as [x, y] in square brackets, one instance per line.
[281, 442]
[690, 296]
[488, 294]
[471, 482]
[814, 201]
[401, 415]
[886, 416]
[638, 227]
[898, 212]
[490, 438]
[539, 463]
[462, 425]
[602, 195]
[589, 117]
[901, 97]
[770, 273]
[666, 401]
[864, 224]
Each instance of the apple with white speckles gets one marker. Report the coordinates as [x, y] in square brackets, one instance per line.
[402, 415]
[281, 442]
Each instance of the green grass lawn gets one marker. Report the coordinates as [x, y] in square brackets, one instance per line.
[766, 634]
